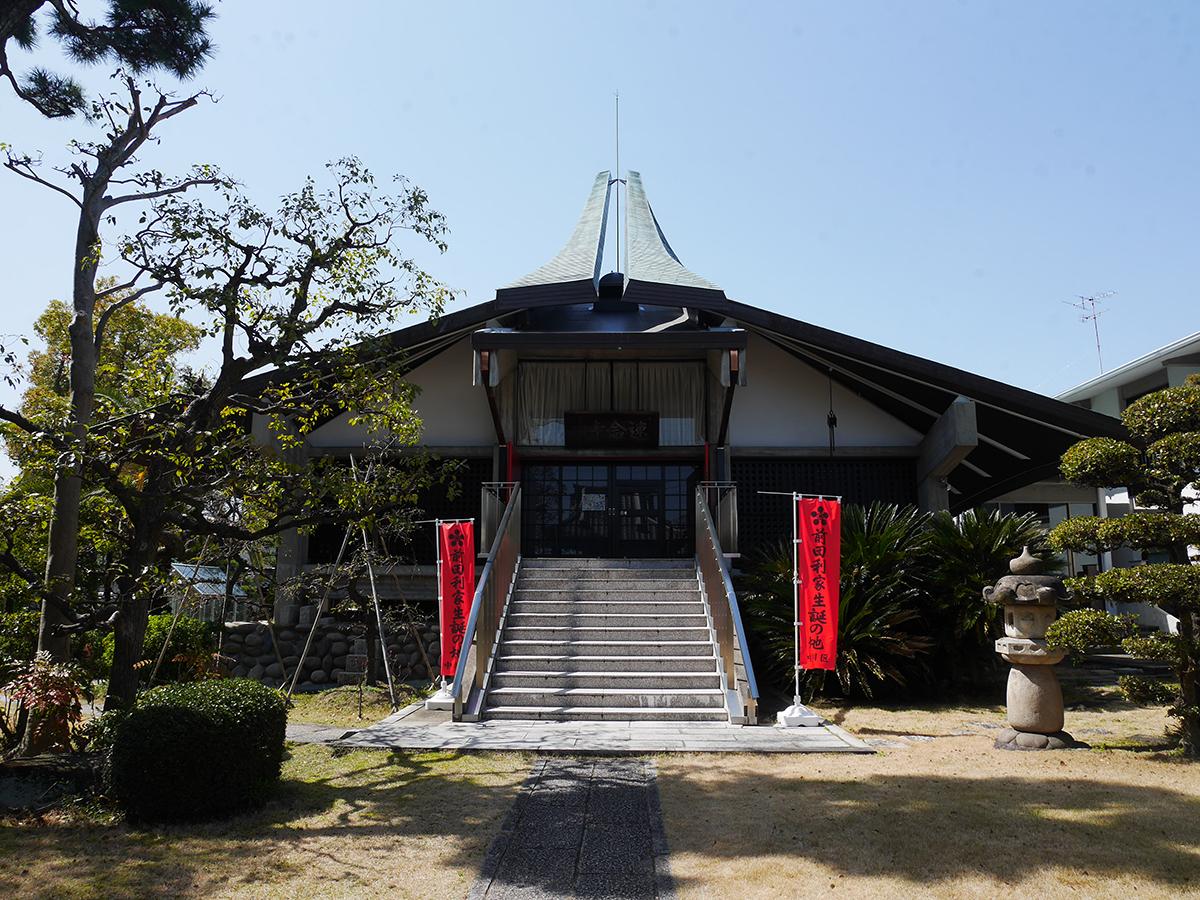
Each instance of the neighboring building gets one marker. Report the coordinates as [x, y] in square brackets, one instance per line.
[208, 593]
[611, 397]
[1114, 390]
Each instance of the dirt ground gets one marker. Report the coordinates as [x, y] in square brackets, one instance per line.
[935, 811]
[938, 812]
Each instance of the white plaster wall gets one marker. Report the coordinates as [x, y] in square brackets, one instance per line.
[454, 412]
[1177, 374]
[784, 403]
[1108, 402]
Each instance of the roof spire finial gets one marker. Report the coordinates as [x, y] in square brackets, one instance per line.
[617, 171]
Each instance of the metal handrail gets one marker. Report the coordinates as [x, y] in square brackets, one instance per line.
[727, 616]
[722, 497]
[488, 607]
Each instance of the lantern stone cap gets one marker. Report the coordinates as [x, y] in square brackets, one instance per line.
[1026, 564]
[1026, 586]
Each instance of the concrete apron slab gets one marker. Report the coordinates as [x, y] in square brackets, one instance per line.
[419, 729]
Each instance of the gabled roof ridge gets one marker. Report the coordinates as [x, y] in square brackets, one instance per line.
[650, 257]
[582, 256]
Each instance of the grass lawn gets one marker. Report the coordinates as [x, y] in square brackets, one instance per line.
[939, 811]
[345, 824]
[339, 706]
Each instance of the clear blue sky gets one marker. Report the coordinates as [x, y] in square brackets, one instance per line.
[937, 177]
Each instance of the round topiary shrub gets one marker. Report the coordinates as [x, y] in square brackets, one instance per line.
[198, 750]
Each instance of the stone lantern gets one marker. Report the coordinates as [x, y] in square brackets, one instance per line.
[1035, 702]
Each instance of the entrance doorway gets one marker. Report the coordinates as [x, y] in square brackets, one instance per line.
[617, 510]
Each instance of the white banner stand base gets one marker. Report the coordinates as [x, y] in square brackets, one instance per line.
[797, 716]
[441, 700]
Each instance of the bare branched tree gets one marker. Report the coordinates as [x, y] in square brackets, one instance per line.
[296, 294]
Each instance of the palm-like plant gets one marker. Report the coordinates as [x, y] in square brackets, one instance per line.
[963, 555]
[879, 641]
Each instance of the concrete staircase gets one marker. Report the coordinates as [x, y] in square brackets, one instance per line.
[606, 639]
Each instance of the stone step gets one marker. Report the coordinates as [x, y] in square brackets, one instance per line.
[643, 681]
[582, 585]
[617, 713]
[667, 596]
[610, 634]
[567, 645]
[566, 662]
[609, 639]
[673, 698]
[592, 563]
[608, 607]
[606, 620]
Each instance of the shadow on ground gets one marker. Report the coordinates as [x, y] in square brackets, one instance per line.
[343, 823]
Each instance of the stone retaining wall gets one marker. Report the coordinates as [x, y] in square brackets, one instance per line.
[336, 656]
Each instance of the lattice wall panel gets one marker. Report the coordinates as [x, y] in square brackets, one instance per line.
[764, 520]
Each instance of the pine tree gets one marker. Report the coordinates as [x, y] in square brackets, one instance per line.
[1160, 466]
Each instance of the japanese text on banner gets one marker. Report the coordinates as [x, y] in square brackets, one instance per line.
[818, 564]
[456, 551]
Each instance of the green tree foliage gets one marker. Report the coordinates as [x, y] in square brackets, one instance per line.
[139, 35]
[18, 638]
[1158, 465]
[102, 178]
[880, 637]
[1145, 691]
[140, 364]
[301, 291]
[188, 655]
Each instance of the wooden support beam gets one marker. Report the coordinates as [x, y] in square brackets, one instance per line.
[947, 443]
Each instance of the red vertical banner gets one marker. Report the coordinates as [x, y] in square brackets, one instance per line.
[818, 573]
[456, 587]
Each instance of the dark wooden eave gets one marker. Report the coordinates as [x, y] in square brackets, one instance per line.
[609, 340]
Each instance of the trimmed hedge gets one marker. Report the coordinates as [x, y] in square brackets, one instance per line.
[1081, 630]
[198, 750]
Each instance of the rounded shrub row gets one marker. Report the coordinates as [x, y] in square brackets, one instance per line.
[196, 750]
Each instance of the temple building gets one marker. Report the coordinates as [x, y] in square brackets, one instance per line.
[612, 396]
[646, 416]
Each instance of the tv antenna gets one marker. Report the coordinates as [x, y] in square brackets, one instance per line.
[1090, 312]
[618, 180]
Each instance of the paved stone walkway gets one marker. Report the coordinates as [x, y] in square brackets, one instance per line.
[416, 728]
[584, 828]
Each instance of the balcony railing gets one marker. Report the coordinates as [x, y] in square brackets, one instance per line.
[487, 612]
[737, 670]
